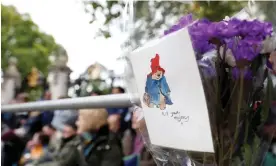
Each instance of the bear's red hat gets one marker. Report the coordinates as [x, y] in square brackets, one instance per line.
[155, 66]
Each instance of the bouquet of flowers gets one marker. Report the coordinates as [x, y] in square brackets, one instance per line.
[237, 61]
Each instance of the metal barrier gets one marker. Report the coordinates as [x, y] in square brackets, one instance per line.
[104, 101]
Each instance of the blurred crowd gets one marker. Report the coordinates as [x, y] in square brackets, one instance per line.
[86, 137]
[98, 137]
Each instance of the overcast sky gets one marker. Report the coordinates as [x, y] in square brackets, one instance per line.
[68, 23]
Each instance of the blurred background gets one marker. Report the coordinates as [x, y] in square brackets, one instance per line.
[86, 39]
[53, 49]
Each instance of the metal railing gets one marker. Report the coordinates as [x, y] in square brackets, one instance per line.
[103, 101]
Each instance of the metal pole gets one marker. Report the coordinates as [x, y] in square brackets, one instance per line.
[104, 101]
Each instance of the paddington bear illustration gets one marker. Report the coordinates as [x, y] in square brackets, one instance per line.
[157, 91]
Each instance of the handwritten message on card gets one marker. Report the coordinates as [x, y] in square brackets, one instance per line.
[171, 93]
[177, 116]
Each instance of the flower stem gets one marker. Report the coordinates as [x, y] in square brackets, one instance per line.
[238, 113]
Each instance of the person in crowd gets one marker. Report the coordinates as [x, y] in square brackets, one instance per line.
[123, 112]
[133, 143]
[13, 120]
[35, 120]
[9, 118]
[22, 97]
[114, 122]
[35, 148]
[65, 153]
[61, 116]
[95, 145]
[21, 117]
[98, 147]
[32, 125]
[47, 116]
[13, 146]
[49, 130]
[54, 135]
[95, 93]
[117, 90]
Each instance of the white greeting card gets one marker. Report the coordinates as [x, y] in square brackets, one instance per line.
[171, 92]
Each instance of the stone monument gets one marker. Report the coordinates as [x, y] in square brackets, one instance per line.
[59, 77]
[12, 81]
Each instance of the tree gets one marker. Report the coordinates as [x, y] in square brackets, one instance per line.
[21, 38]
[152, 18]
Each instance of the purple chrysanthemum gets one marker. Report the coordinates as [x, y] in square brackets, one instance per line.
[183, 22]
[250, 34]
[245, 73]
[199, 36]
[255, 29]
[244, 49]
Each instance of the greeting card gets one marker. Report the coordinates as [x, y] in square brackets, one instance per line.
[171, 93]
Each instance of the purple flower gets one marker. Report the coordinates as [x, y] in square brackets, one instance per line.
[234, 25]
[221, 30]
[243, 28]
[166, 32]
[202, 46]
[255, 29]
[183, 22]
[211, 30]
[230, 28]
[268, 28]
[198, 30]
[186, 20]
[242, 37]
[200, 37]
[244, 49]
[236, 73]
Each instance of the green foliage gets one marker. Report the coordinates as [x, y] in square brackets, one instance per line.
[217, 10]
[22, 39]
[151, 18]
[236, 161]
[35, 93]
[247, 154]
[98, 86]
[256, 146]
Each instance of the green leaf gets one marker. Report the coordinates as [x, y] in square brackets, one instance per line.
[236, 161]
[106, 34]
[96, 5]
[246, 130]
[255, 148]
[110, 4]
[256, 143]
[108, 19]
[247, 154]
